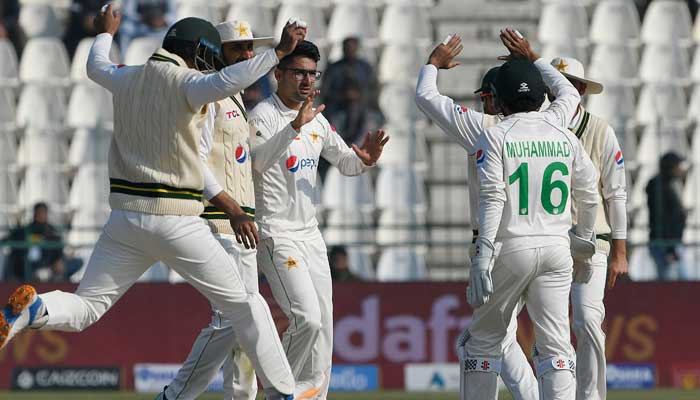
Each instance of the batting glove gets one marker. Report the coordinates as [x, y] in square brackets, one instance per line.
[480, 285]
[581, 251]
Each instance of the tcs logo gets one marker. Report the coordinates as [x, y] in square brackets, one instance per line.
[294, 163]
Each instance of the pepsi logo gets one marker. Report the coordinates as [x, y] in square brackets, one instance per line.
[619, 160]
[293, 164]
[241, 155]
[480, 157]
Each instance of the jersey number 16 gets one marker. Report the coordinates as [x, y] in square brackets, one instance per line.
[548, 186]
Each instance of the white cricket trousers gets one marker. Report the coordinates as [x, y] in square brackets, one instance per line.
[588, 315]
[217, 344]
[131, 242]
[300, 279]
[542, 277]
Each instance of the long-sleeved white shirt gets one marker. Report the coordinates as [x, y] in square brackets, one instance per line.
[199, 88]
[285, 169]
[528, 167]
[465, 125]
[211, 185]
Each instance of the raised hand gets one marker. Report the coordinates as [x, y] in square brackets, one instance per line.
[443, 55]
[108, 21]
[292, 34]
[307, 112]
[372, 147]
[517, 45]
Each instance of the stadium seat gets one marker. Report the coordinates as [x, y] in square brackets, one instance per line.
[38, 148]
[86, 226]
[460, 82]
[401, 264]
[8, 149]
[666, 22]
[140, 49]
[89, 146]
[313, 15]
[642, 267]
[661, 102]
[367, 52]
[563, 23]
[406, 151]
[400, 17]
[39, 20]
[200, 9]
[43, 183]
[78, 66]
[90, 188]
[259, 16]
[45, 60]
[353, 20]
[401, 63]
[41, 107]
[616, 104]
[553, 50]
[448, 161]
[8, 188]
[347, 192]
[691, 188]
[614, 63]
[396, 100]
[349, 226]
[402, 226]
[665, 64]
[400, 187]
[7, 110]
[637, 198]
[615, 22]
[90, 106]
[655, 142]
[361, 264]
[695, 153]
[9, 75]
[449, 204]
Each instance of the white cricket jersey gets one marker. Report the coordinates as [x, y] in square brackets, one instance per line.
[285, 169]
[465, 125]
[530, 171]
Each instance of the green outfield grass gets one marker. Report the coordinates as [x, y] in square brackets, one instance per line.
[658, 394]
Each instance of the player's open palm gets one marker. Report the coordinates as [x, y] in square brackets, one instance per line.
[307, 112]
[372, 147]
[292, 34]
[517, 45]
[443, 55]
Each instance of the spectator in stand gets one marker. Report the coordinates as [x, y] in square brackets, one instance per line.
[340, 265]
[351, 67]
[145, 18]
[9, 27]
[40, 255]
[81, 22]
[667, 218]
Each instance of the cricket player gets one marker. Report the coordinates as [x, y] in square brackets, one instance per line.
[599, 141]
[230, 209]
[465, 125]
[156, 186]
[292, 253]
[528, 165]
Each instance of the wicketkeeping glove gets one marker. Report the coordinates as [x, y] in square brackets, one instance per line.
[480, 285]
[581, 251]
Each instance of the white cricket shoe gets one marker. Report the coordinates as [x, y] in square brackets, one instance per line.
[20, 312]
[309, 389]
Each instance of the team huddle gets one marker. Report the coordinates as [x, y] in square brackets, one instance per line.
[217, 193]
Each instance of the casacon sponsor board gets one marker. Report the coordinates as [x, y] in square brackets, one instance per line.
[631, 376]
[354, 378]
[686, 375]
[152, 378]
[65, 378]
[431, 377]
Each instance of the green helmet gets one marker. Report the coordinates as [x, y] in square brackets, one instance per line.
[196, 39]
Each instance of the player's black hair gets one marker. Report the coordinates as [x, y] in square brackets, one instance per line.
[521, 104]
[336, 251]
[40, 205]
[303, 49]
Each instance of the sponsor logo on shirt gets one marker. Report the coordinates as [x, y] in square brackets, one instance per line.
[460, 109]
[240, 154]
[619, 160]
[294, 163]
[480, 157]
[229, 115]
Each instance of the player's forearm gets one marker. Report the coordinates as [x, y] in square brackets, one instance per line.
[99, 66]
[230, 80]
[490, 213]
[268, 152]
[618, 249]
[226, 204]
[349, 164]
